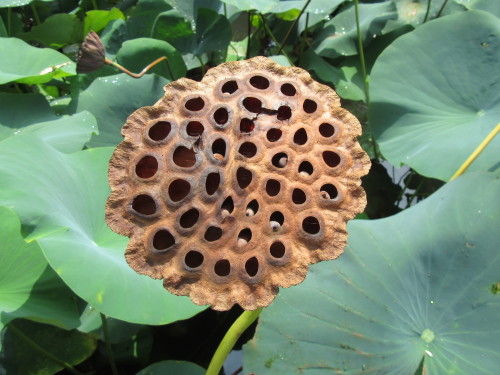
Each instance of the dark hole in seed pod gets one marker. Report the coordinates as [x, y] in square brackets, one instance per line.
[273, 135]
[311, 225]
[280, 160]
[298, 196]
[248, 149]
[245, 235]
[273, 187]
[163, 239]
[310, 106]
[178, 190]
[189, 218]
[221, 116]
[229, 87]
[194, 259]
[194, 128]
[306, 168]
[277, 217]
[219, 149]
[326, 130]
[252, 208]
[244, 177]
[284, 113]
[246, 125]
[300, 137]
[277, 249]
[227, 205]
[288, 89]
[184, 157]
[252, 266]
[146, 167]
[259, 82]
[252, 104]
[159, 131]
[212, 183]
[329, 191]
[332, 159]
[144, 204]
[195, 104]
[222, 267]
[213, 234]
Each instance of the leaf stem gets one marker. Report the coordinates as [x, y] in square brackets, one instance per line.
[42, 351]
[441, 9]
[268, 31]
[476, 152]
[229, 340]
[144, 71]
[202, 65]
[9, 21]
[35, 13]
[94, 4]
[249, 32]
[362, 54]
[111, 356]
[427, 11]
[292, 26]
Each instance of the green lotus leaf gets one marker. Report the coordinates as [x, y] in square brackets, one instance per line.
[213, 32]
[487, 5]
[20, 62]
[62, 198]
[431, 109]
[172, 367]
[97, 20]
[143, 17]
[415, 285]
[29, 288]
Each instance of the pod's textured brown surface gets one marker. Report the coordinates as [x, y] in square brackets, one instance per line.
[230, 187]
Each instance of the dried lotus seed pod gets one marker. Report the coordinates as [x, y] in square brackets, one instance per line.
[230, 187]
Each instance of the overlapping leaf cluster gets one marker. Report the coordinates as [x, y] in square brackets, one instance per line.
[417, 288]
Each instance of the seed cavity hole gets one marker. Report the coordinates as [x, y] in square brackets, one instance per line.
[163, 240]
[248, 149]
[222, 268]
[244, 237]
[277, 250]
[184, 157]
[227, 206]
[284, 113]
[221, 116]
[178, 190]
[194, 128]
[332, 159]
[311, 225]
[273, 187]
[244, 177]
[300, 137]
[195, 104]
[159, 131]
[273, 135]
[246, 125]
[306, 169]
[194, 259]
[259, 82]
[144, 204]
[310, 106]
[213, 234]
[252, 266]
[326, 130]
[219, 149]
[212, 183]
[146, 167]
[253, 105]
[252, 208]
[288, 89]
[329, 191]
[298, 196]
[229, 87]
[189, 218]
[280, 160]
[276, 220]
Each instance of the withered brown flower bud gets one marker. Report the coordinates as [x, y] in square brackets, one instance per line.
[230, 187]
[92, 54]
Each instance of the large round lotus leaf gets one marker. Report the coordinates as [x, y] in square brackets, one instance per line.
[62, 198]
[418, 284]
[172, 367]
[112, 99]
[28, 286]
[435, 95]
[23, 63]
